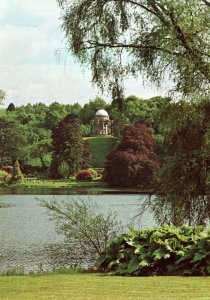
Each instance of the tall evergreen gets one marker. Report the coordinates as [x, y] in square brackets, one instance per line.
[67, 145]
[17, 175]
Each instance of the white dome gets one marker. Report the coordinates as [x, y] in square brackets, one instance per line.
[102, 113]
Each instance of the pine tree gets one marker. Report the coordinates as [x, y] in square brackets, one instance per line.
[86, 155]
[17, 175]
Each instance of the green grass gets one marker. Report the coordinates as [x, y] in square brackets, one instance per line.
[100, 147]
[99, 287]
[59, 183]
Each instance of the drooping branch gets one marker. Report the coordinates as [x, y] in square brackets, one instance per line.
[154, 35]
[132, 46]
[206, 2]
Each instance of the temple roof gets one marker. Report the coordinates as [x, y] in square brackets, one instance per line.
[102, 113]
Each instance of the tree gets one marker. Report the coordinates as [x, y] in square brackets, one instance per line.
[120, 120]
[12, 140]
[89, 109]
[67, 145]
[83, 227]
[133, 162]
[86, 155]
[11, 107]
[157, 38]
[183, 179]
[54, 114]
[40, 150]
[17, 176]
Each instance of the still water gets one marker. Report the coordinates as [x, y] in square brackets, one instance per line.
[28, 239]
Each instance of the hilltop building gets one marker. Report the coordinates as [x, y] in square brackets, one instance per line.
[101, 124]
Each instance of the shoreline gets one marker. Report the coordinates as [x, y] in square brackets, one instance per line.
[69, 187]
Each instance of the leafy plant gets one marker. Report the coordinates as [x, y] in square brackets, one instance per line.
[84, 228]
[167, 250]
[4, 176]
[93, 172]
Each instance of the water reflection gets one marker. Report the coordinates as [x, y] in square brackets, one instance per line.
[68, 191]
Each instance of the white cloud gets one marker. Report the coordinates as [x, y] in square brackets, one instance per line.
[41, 83]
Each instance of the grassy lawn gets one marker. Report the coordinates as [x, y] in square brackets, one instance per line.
[100, 147]
[99, 287]
[58, 184]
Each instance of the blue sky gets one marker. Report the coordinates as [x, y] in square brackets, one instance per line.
[31, 70]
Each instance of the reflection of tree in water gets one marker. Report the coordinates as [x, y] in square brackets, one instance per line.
[48, 258]
[63, 255]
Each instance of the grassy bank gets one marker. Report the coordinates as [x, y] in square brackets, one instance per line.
[100, 147]
[99, 287]
[60, 183]
[57, 184]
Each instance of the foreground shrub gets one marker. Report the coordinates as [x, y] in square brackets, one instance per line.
[83, 227]
[93, 172]
[167, 250]
[84, 175]
[4, 176]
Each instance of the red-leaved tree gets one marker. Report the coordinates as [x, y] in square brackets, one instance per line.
[86, 155]
[133, 162]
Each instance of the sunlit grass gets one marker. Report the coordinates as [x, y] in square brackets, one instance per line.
[59, 183]
[99, 287]
[100, 147]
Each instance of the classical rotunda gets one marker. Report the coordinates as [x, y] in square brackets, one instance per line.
[101, 124]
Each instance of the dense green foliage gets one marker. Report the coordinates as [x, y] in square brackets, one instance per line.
[167, 250]
[35, 123]
[183, 179]
[157, 39]
[67, 147]
[4, 176]
[133, 161]
[12, 140]
[89, 109]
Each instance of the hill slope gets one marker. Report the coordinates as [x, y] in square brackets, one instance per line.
[100, 147]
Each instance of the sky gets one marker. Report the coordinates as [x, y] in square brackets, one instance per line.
[34, 65]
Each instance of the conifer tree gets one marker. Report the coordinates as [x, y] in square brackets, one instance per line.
[17, 175]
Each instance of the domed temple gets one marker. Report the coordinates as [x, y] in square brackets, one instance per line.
[101, 124]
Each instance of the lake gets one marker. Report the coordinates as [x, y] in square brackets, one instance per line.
[28, 239]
